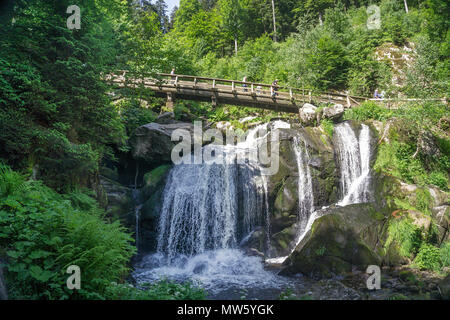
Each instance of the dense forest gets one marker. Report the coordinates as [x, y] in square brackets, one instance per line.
[61, 126]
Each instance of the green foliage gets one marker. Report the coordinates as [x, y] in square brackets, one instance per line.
[287, 294]
[43, 234]
[327, 126]
[428, 258]
[162, 290]
[407, 236]
[134, 115]
[445, 254]
[368, 110]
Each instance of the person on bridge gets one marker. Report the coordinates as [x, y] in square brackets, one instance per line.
[173, 78]
[244, 85]
[274, 88]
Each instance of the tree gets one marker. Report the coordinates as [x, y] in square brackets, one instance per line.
[232, 19]
[184, 14]
[274, 22]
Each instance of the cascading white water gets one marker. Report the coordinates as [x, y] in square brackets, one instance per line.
[213, 206]
[354, 161]
[306, 211]
[207, 210]
[305, 186]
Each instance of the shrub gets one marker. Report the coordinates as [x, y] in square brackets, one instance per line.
[445, 254]
[368, 110]
[428, 258]
[407, 236]
[327, 126]
[162, 290]
[43, 234]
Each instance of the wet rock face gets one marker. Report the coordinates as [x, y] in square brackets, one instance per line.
[283, 186]
[119, 200]
[152, 143]
[343, 239]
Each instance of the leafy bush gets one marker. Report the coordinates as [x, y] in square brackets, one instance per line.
[407, 236]
[428, 258]
[43, 234]
[327, 126]
[368, 110]
[162, 290]
[445, 254]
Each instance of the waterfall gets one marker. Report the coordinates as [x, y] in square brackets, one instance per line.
[212, 206]
[306, 213]
[137, 213]
[305, 187]
[354, 162]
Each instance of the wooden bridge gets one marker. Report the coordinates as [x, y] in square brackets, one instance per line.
[230, 92]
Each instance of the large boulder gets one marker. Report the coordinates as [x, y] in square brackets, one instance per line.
[343, 239]
[152, 142]
[334, 112]
[307, 114]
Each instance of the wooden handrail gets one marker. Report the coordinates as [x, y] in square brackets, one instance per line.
[174, 79]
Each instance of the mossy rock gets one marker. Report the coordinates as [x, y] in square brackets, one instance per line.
[338, 241]
[153, 192]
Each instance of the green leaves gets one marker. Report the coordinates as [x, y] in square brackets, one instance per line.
[39, 274]
[46, 233]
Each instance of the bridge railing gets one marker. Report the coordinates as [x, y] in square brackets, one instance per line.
[234, 87]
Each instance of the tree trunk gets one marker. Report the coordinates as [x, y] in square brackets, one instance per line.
[274, 22]
[406, 6]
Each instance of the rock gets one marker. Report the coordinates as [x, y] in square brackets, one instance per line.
[441, 216]
[166, 118]
[344, 239]
[152, 142]
[152, 194]
[200, 268]
[336, 290]
[119, 199]
[3, 292]
[420, 219]
[307, 114]
[334, 112]
[444, 287]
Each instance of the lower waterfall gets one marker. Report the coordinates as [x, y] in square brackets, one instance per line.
[208, 210]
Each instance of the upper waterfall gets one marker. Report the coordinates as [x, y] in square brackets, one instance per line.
[354, 161]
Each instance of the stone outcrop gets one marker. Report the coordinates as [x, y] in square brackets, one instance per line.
[343, 239]
[307, 114]
[152, 143]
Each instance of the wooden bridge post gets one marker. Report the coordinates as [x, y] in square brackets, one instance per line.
[169, 103]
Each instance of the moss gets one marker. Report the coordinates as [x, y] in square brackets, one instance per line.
[405, 236]
[153, 177]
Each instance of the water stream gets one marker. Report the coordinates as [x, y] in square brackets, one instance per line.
[208, 210]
